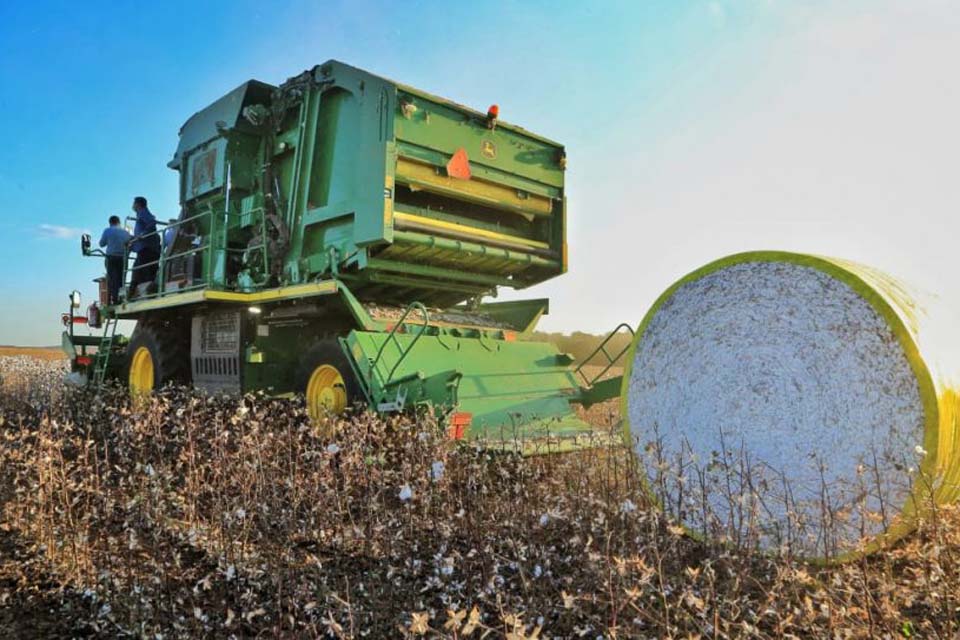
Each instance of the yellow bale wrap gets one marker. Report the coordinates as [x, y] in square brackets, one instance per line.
[792, 402]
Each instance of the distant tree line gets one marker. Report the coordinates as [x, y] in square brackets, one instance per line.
[581, 345]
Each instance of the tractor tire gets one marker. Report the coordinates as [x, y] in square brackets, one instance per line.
[326, 380]
[158, 354]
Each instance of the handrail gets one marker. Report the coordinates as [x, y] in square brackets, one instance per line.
[392, 336]
[176, 223]
[161, 294]
[166, 226]
[159, 232]
[602, 349]
[163, 227]
[176, 255]
[169, 225]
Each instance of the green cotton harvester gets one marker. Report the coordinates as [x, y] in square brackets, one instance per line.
[337, 237]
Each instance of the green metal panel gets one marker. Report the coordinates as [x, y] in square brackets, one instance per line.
[444, 127]
[512, 389]
[206, 124]
[322, 152]
[368, 145]
[520, 315]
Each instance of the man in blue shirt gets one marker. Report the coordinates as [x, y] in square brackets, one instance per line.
[115, 239]
[146, 243]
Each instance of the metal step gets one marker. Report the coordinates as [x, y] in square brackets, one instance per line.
[101, 359]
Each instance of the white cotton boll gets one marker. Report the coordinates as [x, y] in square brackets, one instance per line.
[332, 448]
[436, 470]
[406, 493]
[544, 520]
[628, 506]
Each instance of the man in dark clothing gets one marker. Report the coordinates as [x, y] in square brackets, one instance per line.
[114, 238]
[146, 243]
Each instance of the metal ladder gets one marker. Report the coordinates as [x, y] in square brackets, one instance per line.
[101, 358]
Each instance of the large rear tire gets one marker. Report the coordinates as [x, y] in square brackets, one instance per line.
[326, 380]
[158, 354]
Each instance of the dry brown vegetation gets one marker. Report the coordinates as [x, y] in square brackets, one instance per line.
[189, 516]
[41, 353]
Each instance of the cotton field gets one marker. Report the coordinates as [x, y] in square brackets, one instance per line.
[194, 516]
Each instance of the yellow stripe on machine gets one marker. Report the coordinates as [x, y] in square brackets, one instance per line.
[388, 193]
[442, 227]
[281, 293]
[424, 176]
[209, 295]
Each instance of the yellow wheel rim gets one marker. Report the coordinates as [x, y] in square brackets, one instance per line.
[326, 392]
[141, 372]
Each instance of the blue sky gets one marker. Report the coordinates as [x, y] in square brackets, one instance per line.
[693, 129]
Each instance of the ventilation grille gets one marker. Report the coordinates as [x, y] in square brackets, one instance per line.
[216, 366]
[215, 350]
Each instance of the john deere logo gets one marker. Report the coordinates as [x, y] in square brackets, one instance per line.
[488, 149]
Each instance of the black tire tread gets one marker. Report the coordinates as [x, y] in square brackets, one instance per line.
[169, 345]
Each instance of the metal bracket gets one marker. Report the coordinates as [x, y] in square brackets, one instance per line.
[396, 405]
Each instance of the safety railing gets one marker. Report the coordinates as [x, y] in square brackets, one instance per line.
[130, 279]
[159, 276]
[391, 337]
[602, 348]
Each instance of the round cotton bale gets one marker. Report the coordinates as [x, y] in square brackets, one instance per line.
[780, 401]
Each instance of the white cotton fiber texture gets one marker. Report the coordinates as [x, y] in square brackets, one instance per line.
[778, 401]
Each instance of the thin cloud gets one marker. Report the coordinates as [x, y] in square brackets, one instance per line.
[59, 232]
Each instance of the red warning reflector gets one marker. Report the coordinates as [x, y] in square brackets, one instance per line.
[459, 165]
[84, 361]
[458, 424]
